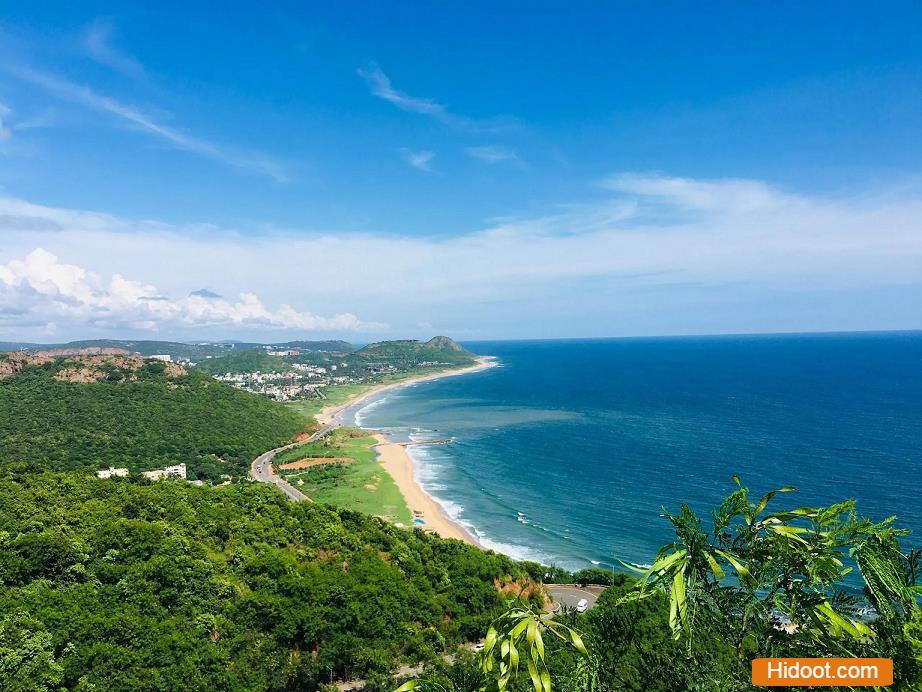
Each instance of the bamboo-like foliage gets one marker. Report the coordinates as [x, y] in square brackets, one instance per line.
[759, 582]
[518, 634]
[761, 573]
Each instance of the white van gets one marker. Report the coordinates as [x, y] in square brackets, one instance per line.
[582, 606]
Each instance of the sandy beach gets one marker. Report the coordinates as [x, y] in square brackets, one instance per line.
[394, 458]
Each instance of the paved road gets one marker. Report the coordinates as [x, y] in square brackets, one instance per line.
[570, 594]
[261, 469]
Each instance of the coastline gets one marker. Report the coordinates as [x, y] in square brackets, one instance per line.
[329, 415]
[398, 463]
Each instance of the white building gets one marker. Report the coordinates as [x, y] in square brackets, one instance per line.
[109, 472]
[165, 357]
[178, 471]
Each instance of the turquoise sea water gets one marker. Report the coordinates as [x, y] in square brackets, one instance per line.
[567, 450]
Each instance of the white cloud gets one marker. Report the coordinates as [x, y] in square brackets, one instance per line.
[651, 235]
[83, 95]
[40, 286]
[491, 154]
[725, 195]
[419, 159]
[97, 40]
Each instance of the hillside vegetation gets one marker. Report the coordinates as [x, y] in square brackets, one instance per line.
[125, 585]
[92, 412]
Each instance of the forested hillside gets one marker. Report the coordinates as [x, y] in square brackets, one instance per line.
[126, 585]
[92, 412]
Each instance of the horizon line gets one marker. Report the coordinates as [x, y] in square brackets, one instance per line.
[194, 342]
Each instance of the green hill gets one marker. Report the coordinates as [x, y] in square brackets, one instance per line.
[123, 585]
[92, 412]
[409, 353]
[255, 360]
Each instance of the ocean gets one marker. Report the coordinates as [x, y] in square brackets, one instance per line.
[567, 451]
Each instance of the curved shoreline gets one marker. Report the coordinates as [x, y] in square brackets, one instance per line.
[398, 463]
[329, 415]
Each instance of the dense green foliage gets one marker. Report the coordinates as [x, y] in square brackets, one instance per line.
[127, 585]
[255, 360]
[143, 419]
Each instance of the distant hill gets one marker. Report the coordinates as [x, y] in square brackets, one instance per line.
[440, 349]
[6, 346]
[255, 360]
[329, 346]
[175, 349]
[94, 411]
[179, 350]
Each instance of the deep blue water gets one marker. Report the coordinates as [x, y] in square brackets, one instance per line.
[568, 450]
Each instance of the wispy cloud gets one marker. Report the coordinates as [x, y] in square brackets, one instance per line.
[380, 85]
[98, 42]
[76, 93]
[491, 154]
[419, 159]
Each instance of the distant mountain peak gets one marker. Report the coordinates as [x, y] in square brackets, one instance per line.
[205, 293]
[444, 342]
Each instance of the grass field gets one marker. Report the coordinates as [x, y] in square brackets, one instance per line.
[363, 486]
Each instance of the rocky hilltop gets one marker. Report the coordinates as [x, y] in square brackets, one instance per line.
[85, 365]
[444, 342]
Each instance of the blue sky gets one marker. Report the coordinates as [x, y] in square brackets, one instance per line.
[396, 169]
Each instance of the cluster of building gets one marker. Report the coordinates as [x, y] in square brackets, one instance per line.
[278, 385]
[178, 472]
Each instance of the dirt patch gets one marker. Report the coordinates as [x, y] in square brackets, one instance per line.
[309, 462]
[11, 363]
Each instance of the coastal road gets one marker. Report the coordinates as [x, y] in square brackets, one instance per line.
[261, 469]
[570, 594]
